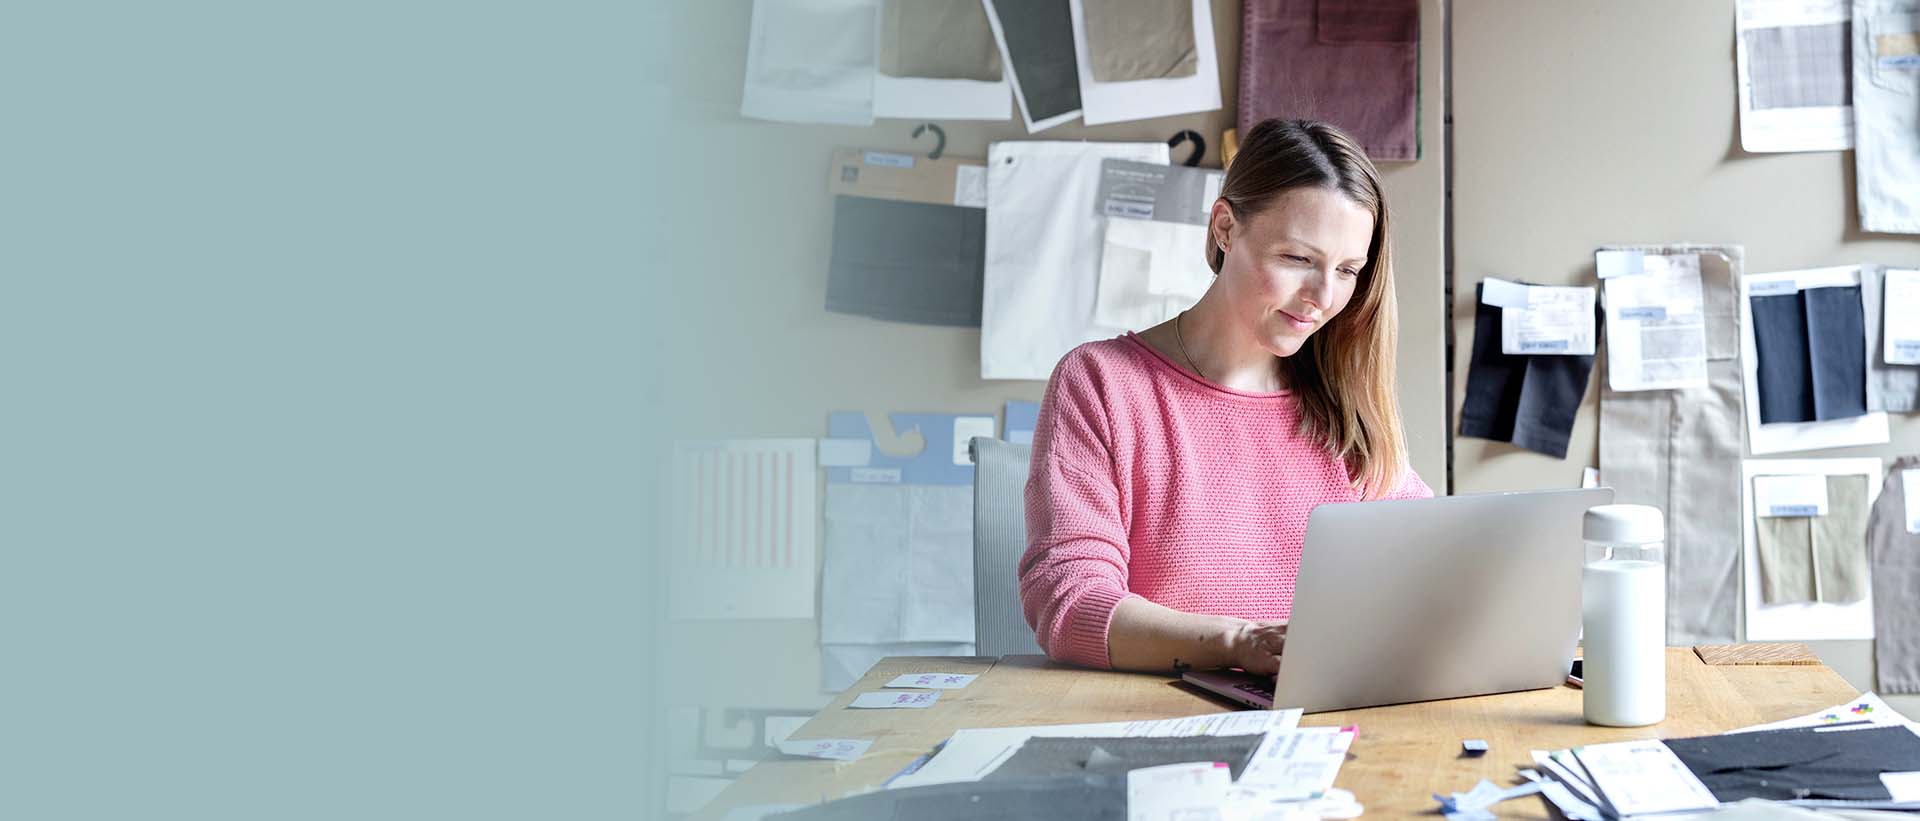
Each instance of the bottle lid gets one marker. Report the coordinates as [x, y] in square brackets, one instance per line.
[1624, 524]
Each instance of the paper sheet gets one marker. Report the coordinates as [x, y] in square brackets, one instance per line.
[1870, 429]
[1790, 58]
[1643, 776]
[1809, 620]
[1177, 792]
[1103, 103]
[811, 61]
[1867, 707]
[933, 681]
[833, 749]
[743, 529]
[1799, 496]
[1910, 493]
[1542, 319]
[1902, 318]
[1656, 325]
[1300, 764]
[972, 753]
[887, 700]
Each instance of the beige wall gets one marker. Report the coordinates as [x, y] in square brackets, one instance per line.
[1581, 124]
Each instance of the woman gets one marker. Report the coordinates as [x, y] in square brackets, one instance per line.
[1173, 469]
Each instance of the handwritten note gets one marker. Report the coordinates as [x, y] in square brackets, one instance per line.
[937, 681]
[894, 701]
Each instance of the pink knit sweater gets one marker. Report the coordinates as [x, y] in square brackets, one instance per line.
[1149, 481]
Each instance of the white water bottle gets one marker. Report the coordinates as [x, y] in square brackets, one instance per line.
[1623, 609]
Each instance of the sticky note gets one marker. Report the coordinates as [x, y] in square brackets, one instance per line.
[937, 681]
[964, 429]
[894, 701]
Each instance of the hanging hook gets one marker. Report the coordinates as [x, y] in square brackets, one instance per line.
[939, 134]
[1199, 146]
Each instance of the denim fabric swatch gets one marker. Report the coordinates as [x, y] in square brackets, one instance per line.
[1812, 356]
[1528, 400]
[907, 261]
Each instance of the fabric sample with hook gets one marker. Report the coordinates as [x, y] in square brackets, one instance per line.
[1353, 63]
[1140, 59]
[909, 236]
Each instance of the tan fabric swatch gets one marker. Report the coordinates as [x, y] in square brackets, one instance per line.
[938, 40]
[1140, 39]
[1785, 545]
[1840, 542]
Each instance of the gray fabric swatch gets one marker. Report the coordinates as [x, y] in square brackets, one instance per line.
[999, 540]
[1050, 757]
[1680, 451]
[1140, 39]
[1039, 35]
[907, 261]
[1893, 555]
[1840, 542]
[1784, 545]
[938, 39]
[1891, 388]
[1800, 66]
[1079, 798]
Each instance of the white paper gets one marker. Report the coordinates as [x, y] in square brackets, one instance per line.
[1866, 707]
[1503, 294]
[1910, 491]
[933, 681]
[1901, 328]
[1020, 96]
[885, 700]
[1177, 792]
[1795, 128]
[1799, 496]
[1902, 786]
[841, 453]
[834, 749]
[1554, 320]
[1782, 437]
[1610, 264]
[1299, 764]
[964, 429]
[812, 61]
[1656, 327]
[929, 98]
[743, 529]
[1643, 776]
[1800, 621]
[1102, 103]
[970, 186]
[1589, 477]
[972, 753]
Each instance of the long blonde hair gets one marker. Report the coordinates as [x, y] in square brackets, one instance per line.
[1344, 375]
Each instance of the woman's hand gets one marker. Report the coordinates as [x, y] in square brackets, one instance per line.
[1255, 646]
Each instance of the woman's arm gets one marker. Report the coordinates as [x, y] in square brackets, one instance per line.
[1150, 637]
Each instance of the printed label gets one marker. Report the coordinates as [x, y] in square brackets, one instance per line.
[1772, 287]
[889, 160]
[1644, 312]
[875, 476]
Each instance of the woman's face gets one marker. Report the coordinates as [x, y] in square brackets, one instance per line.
[1292, 267]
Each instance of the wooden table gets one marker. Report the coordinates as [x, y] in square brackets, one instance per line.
[1401, 755]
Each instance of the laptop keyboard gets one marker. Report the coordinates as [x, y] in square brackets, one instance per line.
[1260, 687]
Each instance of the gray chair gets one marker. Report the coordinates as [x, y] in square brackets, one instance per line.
[999, 539]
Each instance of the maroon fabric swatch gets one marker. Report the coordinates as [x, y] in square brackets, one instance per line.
[1352, 63]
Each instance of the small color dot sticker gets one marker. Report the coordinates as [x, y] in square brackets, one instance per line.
[1862, 709]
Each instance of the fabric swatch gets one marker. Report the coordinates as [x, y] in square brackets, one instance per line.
[1353, 64]
[907, 261]
[1812, 358]
[1680, 451]
[1528, 400]
[1886, 114]
[1050, 757]
[1039, 47]
[1840, 542]
[1785, 547]
[811, 61]
[1799, 66]
[1893, 556]
[1140, 39]
[937, 39]
[1891, 388]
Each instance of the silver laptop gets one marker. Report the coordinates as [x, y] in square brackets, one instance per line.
[1423, 599]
